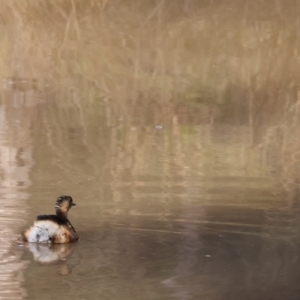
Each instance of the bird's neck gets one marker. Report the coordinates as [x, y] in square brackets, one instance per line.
[62, 213]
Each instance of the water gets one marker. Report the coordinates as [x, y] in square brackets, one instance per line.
[178, 174]
[161, 213]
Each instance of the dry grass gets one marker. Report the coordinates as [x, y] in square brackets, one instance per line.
[212, 54]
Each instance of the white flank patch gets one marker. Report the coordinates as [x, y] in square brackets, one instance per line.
[43, 231]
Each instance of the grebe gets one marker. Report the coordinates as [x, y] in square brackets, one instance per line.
[55, 229]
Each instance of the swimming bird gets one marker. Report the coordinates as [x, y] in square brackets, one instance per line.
[55, 229]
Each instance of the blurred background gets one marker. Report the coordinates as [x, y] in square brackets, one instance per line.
[174, 125]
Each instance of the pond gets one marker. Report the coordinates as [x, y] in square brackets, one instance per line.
[172, 200]
[165, 212]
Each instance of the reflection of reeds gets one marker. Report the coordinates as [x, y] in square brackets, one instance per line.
[279, 148]
[112, 152]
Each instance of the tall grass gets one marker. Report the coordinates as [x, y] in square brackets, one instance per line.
[224, 55]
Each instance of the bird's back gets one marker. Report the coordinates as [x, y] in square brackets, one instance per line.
[50, 229]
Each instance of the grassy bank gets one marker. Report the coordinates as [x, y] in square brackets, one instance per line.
[225, 56]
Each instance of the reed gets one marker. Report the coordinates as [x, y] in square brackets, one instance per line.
[220, 55]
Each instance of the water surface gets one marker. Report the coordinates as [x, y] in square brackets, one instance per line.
[161, 213]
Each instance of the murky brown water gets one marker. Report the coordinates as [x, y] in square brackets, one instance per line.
[175, 199]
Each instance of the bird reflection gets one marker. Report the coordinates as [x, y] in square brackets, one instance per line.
[50, 253]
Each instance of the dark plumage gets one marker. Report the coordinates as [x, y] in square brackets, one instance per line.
[54, 218]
